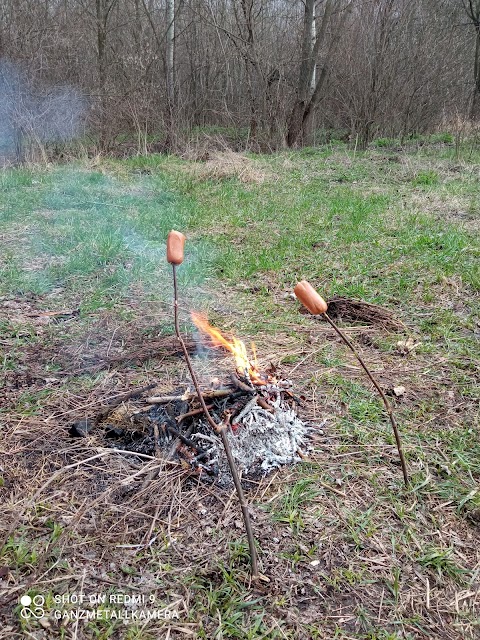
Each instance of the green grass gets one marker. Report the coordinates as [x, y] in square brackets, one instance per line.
[400, 229]
[91, 234]
[290, 508]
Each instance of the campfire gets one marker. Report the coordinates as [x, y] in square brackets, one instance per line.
[245, 427]
[248, 427]
[263, 428]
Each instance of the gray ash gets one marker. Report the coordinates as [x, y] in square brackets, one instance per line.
[263, 429]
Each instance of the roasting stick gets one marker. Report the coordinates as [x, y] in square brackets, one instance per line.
[317, 305]
[175, 246]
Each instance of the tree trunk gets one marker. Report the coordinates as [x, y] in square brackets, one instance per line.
[474, 111]
[170, 71]
[304, 106]
[101, 49]
[171, 52]
[102, 13]
[305, 73]
[473, 12]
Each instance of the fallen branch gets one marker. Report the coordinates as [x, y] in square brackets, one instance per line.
[241, 385]
[193, 412]
[82, 428]
[214, 393]
[122, 398]
[183, 438]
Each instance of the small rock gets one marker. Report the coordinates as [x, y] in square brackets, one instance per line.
[114, 432]
[399, 391]
[81, 428]
[314, 563]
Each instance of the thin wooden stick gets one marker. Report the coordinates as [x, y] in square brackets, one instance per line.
[221, 431]
[193, 412]
[387, 404]
[214, 393]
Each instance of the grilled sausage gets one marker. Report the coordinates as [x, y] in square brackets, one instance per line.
[175, 244]
[310, 298]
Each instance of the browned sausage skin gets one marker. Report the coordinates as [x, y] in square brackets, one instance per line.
[310, 298]
[175, 244]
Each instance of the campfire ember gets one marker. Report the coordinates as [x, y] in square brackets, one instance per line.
[264, 431]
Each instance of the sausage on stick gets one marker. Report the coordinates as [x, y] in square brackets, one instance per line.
[175, 246]
[317, 305]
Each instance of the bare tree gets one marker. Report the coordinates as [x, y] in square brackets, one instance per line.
[306, 100]
[103, 10]
[472, 8]
[279, 69]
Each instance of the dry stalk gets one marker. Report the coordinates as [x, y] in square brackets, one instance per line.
[220, 429]
[387, 404]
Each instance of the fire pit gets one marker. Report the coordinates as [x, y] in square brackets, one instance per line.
[263, 428]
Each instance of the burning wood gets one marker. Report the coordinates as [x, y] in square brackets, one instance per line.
[263, 430]
[266, 432]
[245, 366]
[257, 409]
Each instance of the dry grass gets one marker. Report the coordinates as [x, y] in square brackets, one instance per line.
[363, 312]
[222, 165]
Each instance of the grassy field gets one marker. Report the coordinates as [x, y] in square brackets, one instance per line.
[86, 313]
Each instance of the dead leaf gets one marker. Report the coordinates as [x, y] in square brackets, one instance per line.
[404, 347]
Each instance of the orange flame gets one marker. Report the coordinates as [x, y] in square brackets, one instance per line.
[245, 366]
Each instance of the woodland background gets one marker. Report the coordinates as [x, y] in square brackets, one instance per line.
[264, 73]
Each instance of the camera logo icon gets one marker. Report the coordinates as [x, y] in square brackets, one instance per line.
[32, 607]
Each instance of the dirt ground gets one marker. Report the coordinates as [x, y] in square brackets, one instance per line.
[343, 546]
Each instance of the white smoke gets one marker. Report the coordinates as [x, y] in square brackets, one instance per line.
[30, 117]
